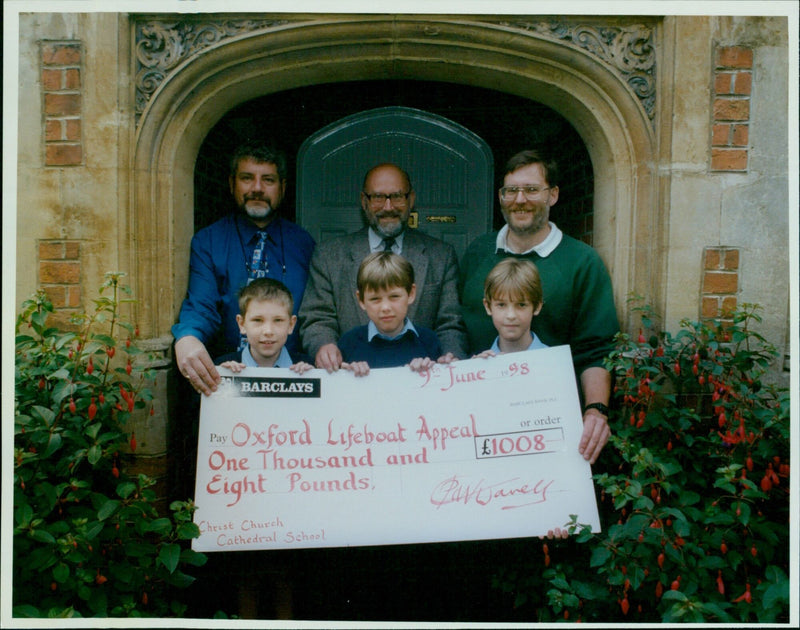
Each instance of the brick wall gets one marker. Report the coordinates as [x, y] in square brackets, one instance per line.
[718, 299]
[60, 277]
[730, 128]
[62, 103]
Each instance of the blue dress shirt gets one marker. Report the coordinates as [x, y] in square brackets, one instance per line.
[218, 269]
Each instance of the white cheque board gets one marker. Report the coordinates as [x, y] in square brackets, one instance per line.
[478, 449]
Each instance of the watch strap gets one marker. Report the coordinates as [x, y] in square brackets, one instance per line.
[599, 406]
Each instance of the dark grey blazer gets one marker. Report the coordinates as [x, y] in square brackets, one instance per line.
[330, 307]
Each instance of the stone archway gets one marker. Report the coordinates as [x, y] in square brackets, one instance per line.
[520, 58]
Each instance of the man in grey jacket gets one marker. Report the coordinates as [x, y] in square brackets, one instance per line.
[330, 307]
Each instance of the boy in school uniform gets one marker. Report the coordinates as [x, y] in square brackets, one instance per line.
[385, 290]
[512, 297]
[265, 318]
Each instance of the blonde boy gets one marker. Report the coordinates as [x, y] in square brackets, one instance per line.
[512, 298]
[265, 318]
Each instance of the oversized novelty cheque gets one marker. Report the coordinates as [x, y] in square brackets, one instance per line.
[477, 449]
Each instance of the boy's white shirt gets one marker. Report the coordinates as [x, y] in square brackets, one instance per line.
[284, 359]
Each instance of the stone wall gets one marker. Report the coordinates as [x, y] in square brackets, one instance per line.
[71, 175]
[729, 187]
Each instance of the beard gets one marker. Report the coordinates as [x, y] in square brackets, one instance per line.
[539, 218]
[257, 212]
[390, 230]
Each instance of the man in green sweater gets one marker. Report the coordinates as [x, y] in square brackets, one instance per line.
[578, 301]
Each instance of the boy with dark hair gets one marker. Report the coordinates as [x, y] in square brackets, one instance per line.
[385, 290]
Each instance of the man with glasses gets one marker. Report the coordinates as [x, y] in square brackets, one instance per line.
[578, 307]
[330, 307]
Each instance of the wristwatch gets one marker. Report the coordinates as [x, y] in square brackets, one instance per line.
[599, 406]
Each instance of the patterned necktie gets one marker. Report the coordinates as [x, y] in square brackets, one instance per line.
[387, 243]
[258, 269]
[259, 266]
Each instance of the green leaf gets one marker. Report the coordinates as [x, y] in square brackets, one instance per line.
[61, 572]
[104, 339]
[712, 562]
[744, 517]
[676, 595]
[62, 374]
[775, 574]
[23, 515]
[169, 555]
[560, 583]
[161, 526]
[44, 414]
[94, 530]
[138, 549]
[716, 610]
[107, 509]
[180, 579]
[98, 602]
[187, 531]
[126, 489]
[42, 535]
[194, 558]
[53, 444]
[599, 556]
[61, 390]
[93, 430]
[38, 320]
[95, 454]
[776, 593]
[40, 559]
[122, 572]
[26, 610]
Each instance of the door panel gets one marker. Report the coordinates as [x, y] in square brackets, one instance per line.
[450, 167]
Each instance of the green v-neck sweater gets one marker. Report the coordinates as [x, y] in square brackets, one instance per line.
[578, 307]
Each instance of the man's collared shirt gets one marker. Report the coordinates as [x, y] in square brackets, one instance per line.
[220, 255]
[283, 361]
[376, 242]
[544, 249]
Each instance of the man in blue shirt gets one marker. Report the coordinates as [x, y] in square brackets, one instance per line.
[253, 242]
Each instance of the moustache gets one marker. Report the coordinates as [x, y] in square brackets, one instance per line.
[386, 214]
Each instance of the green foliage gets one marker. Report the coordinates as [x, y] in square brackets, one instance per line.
[694, 499]
[88, 540]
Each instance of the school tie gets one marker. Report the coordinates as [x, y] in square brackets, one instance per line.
[259, 267]
[387, 243]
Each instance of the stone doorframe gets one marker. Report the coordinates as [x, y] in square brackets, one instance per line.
[518, 56]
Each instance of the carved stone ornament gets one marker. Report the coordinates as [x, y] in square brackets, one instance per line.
[161, 45]
[629, 49]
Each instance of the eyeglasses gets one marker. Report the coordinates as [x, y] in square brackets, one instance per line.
[378, 200]
[509, 193]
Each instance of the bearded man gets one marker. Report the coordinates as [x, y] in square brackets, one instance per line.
[330, 307]
[578, 308]
[253, 242]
